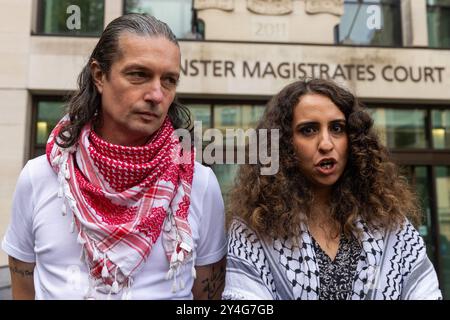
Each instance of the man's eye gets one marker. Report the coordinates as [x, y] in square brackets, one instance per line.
[137, 74]
[170, 81]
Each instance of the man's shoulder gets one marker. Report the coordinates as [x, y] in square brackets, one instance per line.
[37, 179]
[201, 173]
[39, 169]
[205, 184]
[39, 160]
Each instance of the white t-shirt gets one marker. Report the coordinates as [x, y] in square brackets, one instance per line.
[39, 233]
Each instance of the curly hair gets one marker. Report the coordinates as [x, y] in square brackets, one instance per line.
[370, 187]
[84, 105]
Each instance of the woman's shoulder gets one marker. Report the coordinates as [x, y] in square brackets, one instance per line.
[408, 270]
[239, 226]
[242, 236]
[405, 230]
[406, 240]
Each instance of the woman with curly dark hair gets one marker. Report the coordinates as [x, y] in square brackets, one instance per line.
[336, 220]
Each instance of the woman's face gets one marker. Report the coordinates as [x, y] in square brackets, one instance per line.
[320, 139]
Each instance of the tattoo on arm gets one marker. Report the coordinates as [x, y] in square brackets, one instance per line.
[21, 272]
[215, 283]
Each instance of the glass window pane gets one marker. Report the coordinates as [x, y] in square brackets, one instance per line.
[438, 2]
[418, 177]
[438, 13]
[176, 13]
[372, 22]
[48, 115]
[202, 113]
[233, 117]
[225, 174]
[441, 129]
[422, 183]
[400, 128]
[443, 207]
[56, 20]
[236, 117]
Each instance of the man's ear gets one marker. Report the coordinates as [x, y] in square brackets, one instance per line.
[97, 75]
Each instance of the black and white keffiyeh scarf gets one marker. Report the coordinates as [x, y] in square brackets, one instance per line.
[392, 265]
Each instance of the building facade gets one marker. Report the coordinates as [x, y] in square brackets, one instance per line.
[393, 54]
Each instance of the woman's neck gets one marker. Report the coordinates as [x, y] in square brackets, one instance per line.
[322, 226]
[320, 214]
[320, 209]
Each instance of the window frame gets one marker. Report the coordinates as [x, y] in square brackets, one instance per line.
[432, 7]
[194, 21]
[338, 42]
[38, 27]
[36, 99]
[424, 155]
[429, 157]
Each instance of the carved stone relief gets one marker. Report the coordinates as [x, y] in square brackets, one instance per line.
[335, 7]
[226, 5]
[270, 7]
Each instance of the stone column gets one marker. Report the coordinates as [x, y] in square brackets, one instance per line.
[414, 23]
[113, 9]
[15, 106]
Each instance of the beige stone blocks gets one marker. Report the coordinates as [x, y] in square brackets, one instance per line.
[13, 133]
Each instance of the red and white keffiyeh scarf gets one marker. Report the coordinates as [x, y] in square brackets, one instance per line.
[122, 199]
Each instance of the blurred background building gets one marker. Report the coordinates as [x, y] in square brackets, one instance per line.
[394, 54]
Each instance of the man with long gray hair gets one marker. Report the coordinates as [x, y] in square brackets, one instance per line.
[110, 212]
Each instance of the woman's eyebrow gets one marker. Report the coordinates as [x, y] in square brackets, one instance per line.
[338, 120]
[307, 122]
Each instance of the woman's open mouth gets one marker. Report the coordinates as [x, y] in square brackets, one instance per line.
[326, 166]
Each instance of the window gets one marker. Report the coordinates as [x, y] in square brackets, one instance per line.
[438, 12]
[419, 141]
[71, 17]
[178, 14]
[237, 116]
[48, 114]
[202, 113]
[443, 207]
[228, 117]
[225, 174]
[441, 129]
[224, 116]
[420, 179]
[370, 22]
[402, 128]
[407, 128]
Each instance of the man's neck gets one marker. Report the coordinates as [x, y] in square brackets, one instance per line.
[118, 138]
